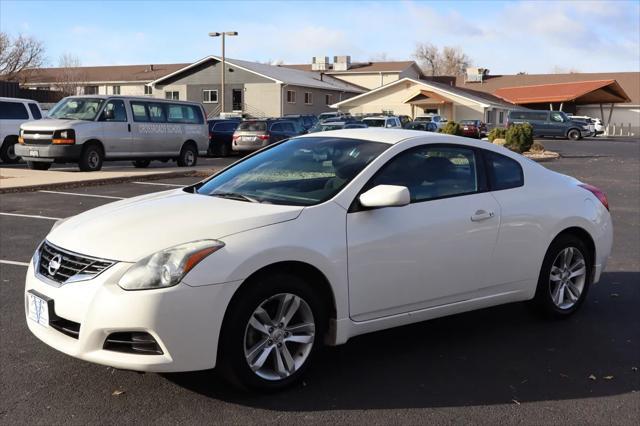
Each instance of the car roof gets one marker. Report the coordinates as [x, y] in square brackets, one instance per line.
[378, 117]
[17, 100]
[390, 136]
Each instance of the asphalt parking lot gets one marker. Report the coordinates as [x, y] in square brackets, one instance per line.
[498, 365]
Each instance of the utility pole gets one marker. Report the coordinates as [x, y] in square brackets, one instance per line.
[222, 79]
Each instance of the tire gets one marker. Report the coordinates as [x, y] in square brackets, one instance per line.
[188, 156]
[574, 135]
[238, 337]
[224, 150]
[91, 158]
[7, 151]
[38, 165]
[141, 164]
[556, 291]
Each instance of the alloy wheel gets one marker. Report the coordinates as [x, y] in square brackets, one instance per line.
[279, 336]
[567, 278]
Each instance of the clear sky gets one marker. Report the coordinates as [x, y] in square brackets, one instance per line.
[506, 37]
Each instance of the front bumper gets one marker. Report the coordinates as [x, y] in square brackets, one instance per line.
[185, 321]
[48, 153]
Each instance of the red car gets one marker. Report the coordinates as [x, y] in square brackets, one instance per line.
[473, 128]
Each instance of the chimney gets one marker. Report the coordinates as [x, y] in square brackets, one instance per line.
[320, 63]
[341, 63]
[475, 74]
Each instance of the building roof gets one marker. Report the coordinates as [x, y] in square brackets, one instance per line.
[360, 67]
[580, 92]
[485, 99]
[277, 74]
[104, 74]
[629, 81]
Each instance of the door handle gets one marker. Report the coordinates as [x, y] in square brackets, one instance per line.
[481, 215]
[129, 127]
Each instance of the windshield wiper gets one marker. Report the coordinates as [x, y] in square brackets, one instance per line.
[234, 196]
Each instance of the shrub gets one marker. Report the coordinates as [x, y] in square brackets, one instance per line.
[519, 137]
[537, 147]
[451, 128]
[497, 133]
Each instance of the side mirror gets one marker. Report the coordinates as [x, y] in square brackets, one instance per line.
[386, 196]
[107, 114]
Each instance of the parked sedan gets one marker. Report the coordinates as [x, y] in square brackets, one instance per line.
[252, 135]
[473, 128]
[314, 240]
[425, 126]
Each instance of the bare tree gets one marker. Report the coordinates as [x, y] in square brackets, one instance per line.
[71, 74]
[19, 55]
[276, 62]
[448, 61]
[562, 70]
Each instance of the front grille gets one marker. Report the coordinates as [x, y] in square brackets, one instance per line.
[65, 326]
[72, 266]
[37, 137]
[134, 342]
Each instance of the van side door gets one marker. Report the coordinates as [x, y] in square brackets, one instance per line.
[116, 129]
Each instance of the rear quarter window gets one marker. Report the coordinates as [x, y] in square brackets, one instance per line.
[35, 111]
[13, 111]
[504, 172]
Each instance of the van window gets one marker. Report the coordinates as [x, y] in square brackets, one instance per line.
[557, 117]
[504, 172]
[13, 111]
[156, 113]
[139, 112]
[187, 114]
[119, 112]
[527, 115]
[35, 111]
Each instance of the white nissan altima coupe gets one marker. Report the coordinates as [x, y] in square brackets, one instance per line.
[314, 240]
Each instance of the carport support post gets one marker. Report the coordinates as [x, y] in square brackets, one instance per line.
[610, 114]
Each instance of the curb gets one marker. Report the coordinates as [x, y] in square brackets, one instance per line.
[107, 181]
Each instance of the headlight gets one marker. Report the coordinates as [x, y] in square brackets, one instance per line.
[585, 127]
[167, 267]
[64, 137]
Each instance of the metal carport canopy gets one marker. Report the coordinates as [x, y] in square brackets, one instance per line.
[580, 92]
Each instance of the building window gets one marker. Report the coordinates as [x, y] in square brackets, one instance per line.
[210, 96]
[308, 98]
[173, 95]
[328, 99]
[291, 96]
[148, 90]
[116, 90]
[42, 88]
[90, 90]
[501, 115]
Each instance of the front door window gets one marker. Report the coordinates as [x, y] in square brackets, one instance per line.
[237, 99]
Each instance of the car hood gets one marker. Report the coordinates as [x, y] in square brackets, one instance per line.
[53, 124]
[132, 229]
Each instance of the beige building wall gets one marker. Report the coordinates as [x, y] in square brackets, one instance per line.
[368, 80]
[318, 104]
[262, 99]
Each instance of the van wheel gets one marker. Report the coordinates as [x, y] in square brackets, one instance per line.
[91, 158]
[574, 134]
[38, 165]
[271, 333]
[188, 155]
[8, 152]
[141, 164]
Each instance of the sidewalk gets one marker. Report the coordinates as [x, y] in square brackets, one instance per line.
[20, 179]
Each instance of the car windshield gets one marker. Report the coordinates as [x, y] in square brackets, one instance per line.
[299, 172]
[374, 122]
[77, 109]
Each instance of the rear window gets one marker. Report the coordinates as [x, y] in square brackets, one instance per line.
[35, 111]
[188, 114]
[504, 172]
[374, 122]
[13, 111]
[253, 126]
[225, 127]
[527, 115]
[471, 122]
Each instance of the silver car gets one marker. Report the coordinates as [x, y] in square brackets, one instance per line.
[91, 129]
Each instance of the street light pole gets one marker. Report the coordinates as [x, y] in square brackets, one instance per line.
[223, 34]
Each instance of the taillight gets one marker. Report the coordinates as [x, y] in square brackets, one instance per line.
[263, 137]
[235, 137]
[210, 136]
[600, 195]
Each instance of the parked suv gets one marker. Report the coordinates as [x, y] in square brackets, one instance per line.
[435, 118]
[473, 128]
[91, 129]
[382, 121]
[14, 112]
[550, 124]
[252, 135]
[221, 136]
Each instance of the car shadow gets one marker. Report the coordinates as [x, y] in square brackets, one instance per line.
[506, 354]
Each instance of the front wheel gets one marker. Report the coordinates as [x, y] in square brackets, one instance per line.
[565, 277]
[271, 333]
[91, 158]
[188, 156]
[573, 134]
[38, 165]
[8, 151]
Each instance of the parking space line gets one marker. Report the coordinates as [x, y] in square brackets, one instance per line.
[158, 183]
[83, 195]
[13, 262]
[31, 216]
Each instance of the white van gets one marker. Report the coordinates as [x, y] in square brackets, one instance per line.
[91, 129]
[14, 112]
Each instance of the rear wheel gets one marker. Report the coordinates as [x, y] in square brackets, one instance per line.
[91, 158]
[188, 155]
[224, 149]
[564, 278]
[8, 152]
[271, 333]
[141, 164]
[574, 134]
[38, 165]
